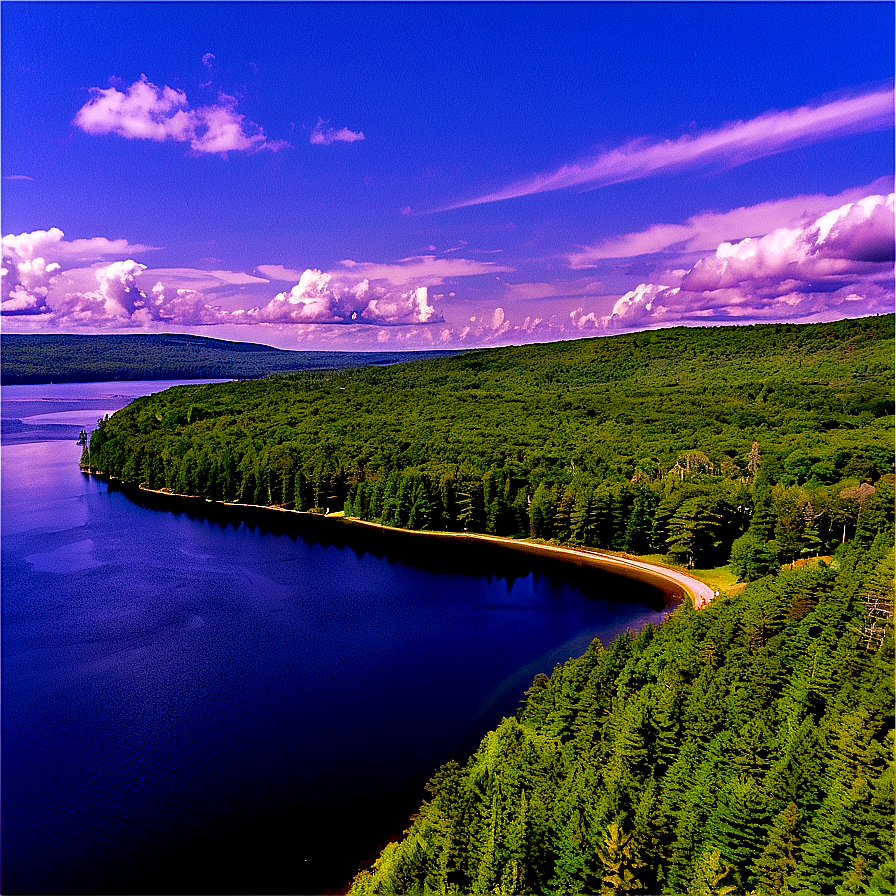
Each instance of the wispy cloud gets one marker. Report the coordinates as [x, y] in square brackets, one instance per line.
[417, 270]
[427, 269]
[17, 177]
[147, 112]
[323, 135]
[733, 144]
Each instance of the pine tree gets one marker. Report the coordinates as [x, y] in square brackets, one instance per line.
[738, 826]
[620, 862]
[779, 856]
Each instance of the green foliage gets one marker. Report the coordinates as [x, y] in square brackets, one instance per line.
[640, 442]
[703, 756]
[742, 747]
[752, 558]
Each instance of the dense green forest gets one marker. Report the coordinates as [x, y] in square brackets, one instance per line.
[85, 359]
[746, 747]
[743, 748]
[761, 443]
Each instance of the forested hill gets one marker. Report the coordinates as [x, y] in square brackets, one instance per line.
[80, 359]
[746, 747]
[665, 441]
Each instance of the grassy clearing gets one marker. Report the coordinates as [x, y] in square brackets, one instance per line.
[720, 578]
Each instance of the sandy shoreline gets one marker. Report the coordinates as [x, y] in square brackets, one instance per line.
[669, 580]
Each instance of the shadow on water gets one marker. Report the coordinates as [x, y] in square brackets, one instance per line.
[430, 552]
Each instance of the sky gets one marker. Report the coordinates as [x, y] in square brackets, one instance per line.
[370, 176]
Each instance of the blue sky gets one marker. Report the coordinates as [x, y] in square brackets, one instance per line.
[366, 175]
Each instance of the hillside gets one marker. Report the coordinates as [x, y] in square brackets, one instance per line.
[78, 359]
[658, 441]
[746, 747]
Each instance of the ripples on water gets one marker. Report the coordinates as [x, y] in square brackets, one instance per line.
[192, 706]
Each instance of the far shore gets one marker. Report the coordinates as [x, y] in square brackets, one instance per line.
[671, 581]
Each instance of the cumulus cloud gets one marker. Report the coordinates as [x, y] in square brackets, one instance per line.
[323, 135]
[704, 232]
[320, 299]
[147, 112]
[118, 301]
[33, 261]
[52, 242]
[38, 280]
[839, 264]
[732, 144]
[25, 285]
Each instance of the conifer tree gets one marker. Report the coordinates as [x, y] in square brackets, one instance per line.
[779, 856]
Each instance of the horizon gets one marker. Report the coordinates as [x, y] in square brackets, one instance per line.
[401, 177]
[437, 348]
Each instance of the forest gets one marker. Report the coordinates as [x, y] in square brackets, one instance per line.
[64, 358]
[759, 445]
[743, 748]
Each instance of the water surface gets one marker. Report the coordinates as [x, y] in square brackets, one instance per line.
[198, 707]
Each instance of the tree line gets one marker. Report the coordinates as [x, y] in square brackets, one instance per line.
[66, 358]
[760, 444]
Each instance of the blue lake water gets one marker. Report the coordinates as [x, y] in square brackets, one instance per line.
[191, 706]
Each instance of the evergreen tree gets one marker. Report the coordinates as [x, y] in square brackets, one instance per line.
[779, 856]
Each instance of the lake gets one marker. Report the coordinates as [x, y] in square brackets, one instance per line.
[193, 705]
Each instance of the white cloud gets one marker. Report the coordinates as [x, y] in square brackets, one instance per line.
[732, 144]
[321, 299]
[840, 263]
[118, 301]
[42, 243]
[147, 112]
[703, 232]
[278, 272]
[25, 285]
[323, 135]
[33, 262]
[417, 270]
[195, 278]
[421, 269]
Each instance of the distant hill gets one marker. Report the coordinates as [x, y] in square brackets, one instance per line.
[77, 359]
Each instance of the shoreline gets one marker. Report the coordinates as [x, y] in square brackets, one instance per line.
[671, 581]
